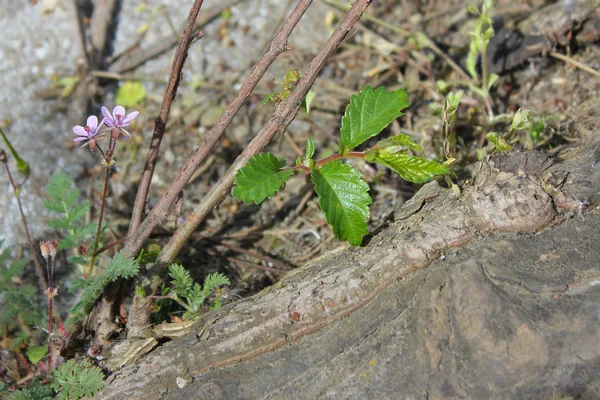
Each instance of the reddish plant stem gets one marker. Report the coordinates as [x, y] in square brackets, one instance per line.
[335, 157]
[34, 253]
[283, 116]
[159, 212]
[107, 163]
[161, 121]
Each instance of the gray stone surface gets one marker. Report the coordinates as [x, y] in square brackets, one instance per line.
[36, 45]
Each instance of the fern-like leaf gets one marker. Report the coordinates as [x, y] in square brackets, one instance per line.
[182, 281]
[119, 267]
[74, 380]
[344, 198]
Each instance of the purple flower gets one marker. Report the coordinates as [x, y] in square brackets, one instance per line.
[87, 132]
[118, 119]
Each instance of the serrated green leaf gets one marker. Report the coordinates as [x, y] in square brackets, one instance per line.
[261, 178]
[36, 353]
[410, 168]
[344, 198]
[130, 94]
[369, 112]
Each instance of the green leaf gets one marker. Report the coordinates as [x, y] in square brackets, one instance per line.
[472, 9]
[499, 142]
[119, 267]
[310, 149]
[130, 94]
[410, 168]
[261, 178]
[520, 120]
[74, 380]
[369, 112]
[213, 281]
[492, 78]
[310, 96]
[395, 144]
[182, 281]
[36, 353]
[59, 185]
[344, 198]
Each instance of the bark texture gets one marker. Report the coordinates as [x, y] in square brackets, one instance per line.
[511, 312]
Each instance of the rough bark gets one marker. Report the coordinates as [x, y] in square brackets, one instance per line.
[511, 312]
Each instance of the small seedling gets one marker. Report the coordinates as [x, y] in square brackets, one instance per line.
[343, 194]
[191, 295]
[480, 38]
[502, 142]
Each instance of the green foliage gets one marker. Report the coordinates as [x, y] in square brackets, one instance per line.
[344, 198]
[369, 112]
[34, 391]
[499, 142]
[130, 94]
[36, 353]
[480, 39]
[343, 194]
[64, 200]
[261, 178]
[410, 168]
[18, 305]
[74, 380]
[119, 267]
[189, 294]
[535, 129]
[287, 88]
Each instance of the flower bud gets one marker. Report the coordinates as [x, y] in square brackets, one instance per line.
[44, 249]
[3, 157]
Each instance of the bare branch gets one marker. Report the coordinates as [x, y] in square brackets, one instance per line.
[283, 116]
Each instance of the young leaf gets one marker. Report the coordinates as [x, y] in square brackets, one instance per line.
[410, 168]
[261, 178]
[499, 142]
[310, 149]
[36, 353]
[394, 144]
[344, 198]
[369, 112]
[182, 281]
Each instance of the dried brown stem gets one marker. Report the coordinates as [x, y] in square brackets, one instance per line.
[283, 116]
[159, 212]
[161, 121]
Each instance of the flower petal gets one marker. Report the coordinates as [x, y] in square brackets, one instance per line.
[108, 122]
[118, 110]
[106, 114]
[79, 139]
[129, 117]
[80, 131]
[92, 122]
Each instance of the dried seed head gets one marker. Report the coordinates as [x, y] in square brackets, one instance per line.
[44, 249]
